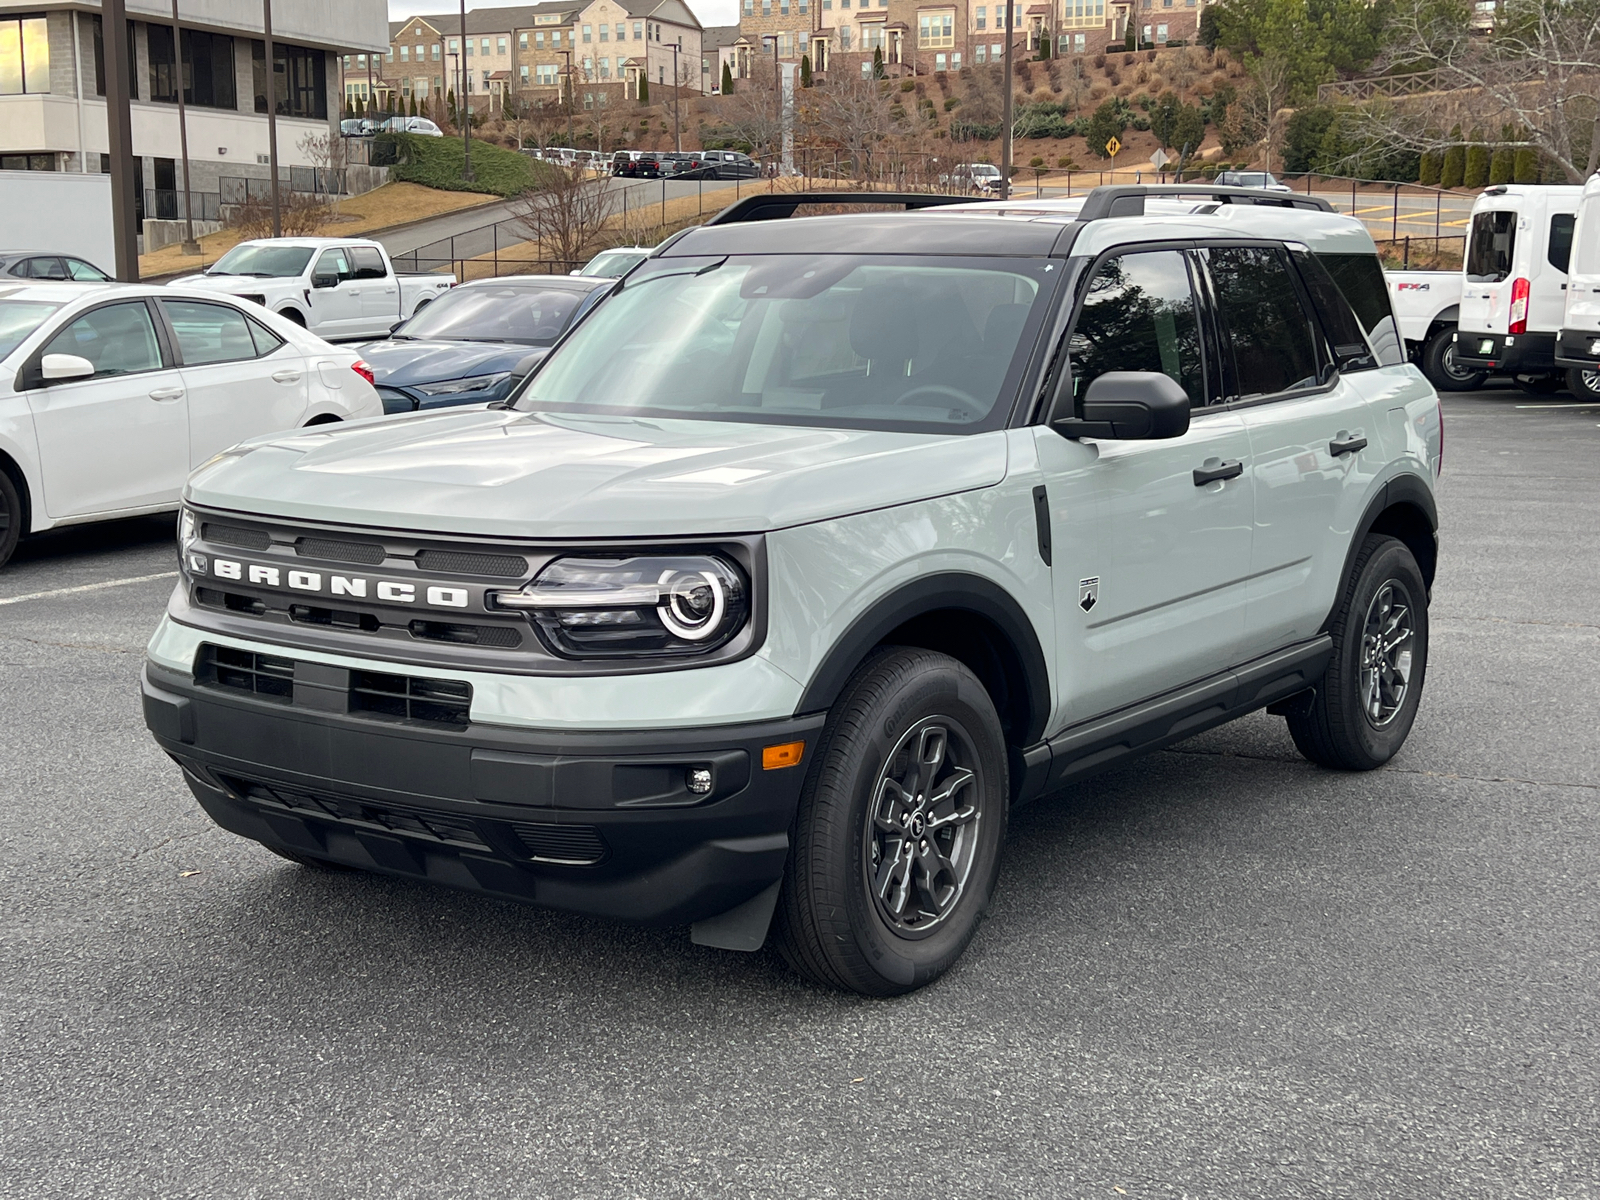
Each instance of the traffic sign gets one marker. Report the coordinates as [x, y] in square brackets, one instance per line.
[1159, 159]
[1113, 146]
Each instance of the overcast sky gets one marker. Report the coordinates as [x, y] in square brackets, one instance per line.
[710, 12]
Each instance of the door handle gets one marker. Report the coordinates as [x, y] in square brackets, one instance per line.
[286, 376]
[1227, 470]
[1346, 445]
[172, 393]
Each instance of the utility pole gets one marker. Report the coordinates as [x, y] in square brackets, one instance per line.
[677, 136]
[1005, 119]
[777, 92]
[567, 54]
[119, 126]
[190, 246]
[466, 108]
[272, 115]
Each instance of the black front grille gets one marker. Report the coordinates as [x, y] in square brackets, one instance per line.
[232, 601]
[574, 844]
[348, 810]
[456, 562]
[367, 553]
[264, 675]
[235, 535]
[337, 618]
[466, 635]
[410, 697]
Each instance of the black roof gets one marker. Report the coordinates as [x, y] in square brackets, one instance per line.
[924, 232]
[545, 283]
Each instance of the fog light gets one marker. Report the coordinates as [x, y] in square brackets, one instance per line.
[699, 780]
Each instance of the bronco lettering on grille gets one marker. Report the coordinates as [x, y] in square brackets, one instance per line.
[324, 583]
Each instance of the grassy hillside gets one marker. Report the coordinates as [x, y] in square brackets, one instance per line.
[437, 163]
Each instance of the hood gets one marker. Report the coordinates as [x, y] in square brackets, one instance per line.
[232, 285]
[547, 475]
[400, 363]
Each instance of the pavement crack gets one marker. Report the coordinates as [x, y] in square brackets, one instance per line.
[177, 837]
[1590, 787]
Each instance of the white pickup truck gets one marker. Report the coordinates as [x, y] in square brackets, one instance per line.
[1426, 307]
[335, 287]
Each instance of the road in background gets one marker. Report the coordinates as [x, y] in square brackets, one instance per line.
[1218, 971]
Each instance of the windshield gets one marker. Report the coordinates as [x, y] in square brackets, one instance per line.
[19, 318]
[843, 341]
[614, 263]
[264, 261]
[1489, 246]
[495, 314]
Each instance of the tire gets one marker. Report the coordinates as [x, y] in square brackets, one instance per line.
[1339, 728]
[307, 860]
[295, 316]
[904, 706]
[1440, 366]
[10, 516]
[1583, 383]
[1542, 383]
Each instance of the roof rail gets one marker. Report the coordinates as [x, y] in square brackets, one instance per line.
[780, 206]
[1127, 199]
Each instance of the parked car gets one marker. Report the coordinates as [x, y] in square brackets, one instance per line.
[338, 288]
[111, 395]
[1578, 343]
[419, 125]
[476, 344]
[730, 164]
[1265, 180]
[685, 165]
[350, 127]
[43, 264]
[636, 164]
[1427, 305]
[733, 619]
[1513, 298]
[615, 262]
[980, 177]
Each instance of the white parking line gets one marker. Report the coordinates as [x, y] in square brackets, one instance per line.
[87, 587]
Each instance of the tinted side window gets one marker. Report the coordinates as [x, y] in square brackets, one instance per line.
[1361, 280]
[1274, 344]
[368, 263]
[1560, 250]
[1138, 314]
[1489, 246]
[1346, 339]
[46, 268]
[333, 262]
[118, 339]
[209, 333]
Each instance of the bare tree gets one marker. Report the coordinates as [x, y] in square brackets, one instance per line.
[567, 216]
[1537, 70]
[851, 113]
[751, 113]
[328, 153]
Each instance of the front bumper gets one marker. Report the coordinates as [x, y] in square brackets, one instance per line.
[592, 822]
[1577, 348]
[1522, 353]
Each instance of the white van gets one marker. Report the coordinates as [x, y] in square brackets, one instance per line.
[1513, 297]
[1578, 344]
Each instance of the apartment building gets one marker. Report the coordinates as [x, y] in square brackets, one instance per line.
[52, 88]
[602, 49]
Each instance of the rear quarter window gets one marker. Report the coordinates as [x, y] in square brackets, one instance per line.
[1360, 278]
[1490, 245]
[1559, 252]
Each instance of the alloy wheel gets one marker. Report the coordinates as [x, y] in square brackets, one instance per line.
[1387, 641]
[922, 827]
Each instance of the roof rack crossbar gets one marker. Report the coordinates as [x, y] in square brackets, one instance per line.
[780, 206]
[1127, 199]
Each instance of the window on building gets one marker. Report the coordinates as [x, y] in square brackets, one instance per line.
[844, 39]
[605, 33]
[936, 29]
[805, 39]
[483, 47]
[500, 45]
[997, 51]
[766, 8]
[555, 37]
[622, 31]
[588, 33]
[469, 48]
[522, 41]
[436, 51]
[455, 46]
[523, 71]
[545, 74]
[980, 18]
[588, 99]
[638, 26]
[980, 53]
[1161, 35]
[805, 7]
[388, 55]
[783, 7]
[207, 67]
[302, 80]
[1085, 13]
[605, 68]
[940, 63]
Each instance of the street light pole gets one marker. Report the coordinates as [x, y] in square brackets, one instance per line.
[119, 127]
[272, 115]
[677, 135]
[466, 123]
[567, 54]
[777, 91]
[1005, 119]
[190, 246]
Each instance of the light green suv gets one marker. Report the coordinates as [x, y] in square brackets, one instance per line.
[820, 545]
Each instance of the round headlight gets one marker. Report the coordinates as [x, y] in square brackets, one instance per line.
[693, 604]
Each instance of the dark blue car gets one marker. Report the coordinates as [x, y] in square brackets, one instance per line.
[477, 342]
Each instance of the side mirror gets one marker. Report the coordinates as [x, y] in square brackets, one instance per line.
[397, 327]
[574, 272]
[65, 366]
[324, 281]
[1127, 405]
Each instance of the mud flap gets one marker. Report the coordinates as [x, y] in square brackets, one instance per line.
[743, 927]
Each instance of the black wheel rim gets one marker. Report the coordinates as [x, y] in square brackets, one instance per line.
[1453, 368]
[1388, 640]
[922, 827]
[1590, 381]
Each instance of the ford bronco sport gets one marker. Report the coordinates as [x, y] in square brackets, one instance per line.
[817, 548]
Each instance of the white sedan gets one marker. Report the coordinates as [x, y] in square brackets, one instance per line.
[110, 395]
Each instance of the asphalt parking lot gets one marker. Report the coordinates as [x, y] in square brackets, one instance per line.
[1217, 972]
